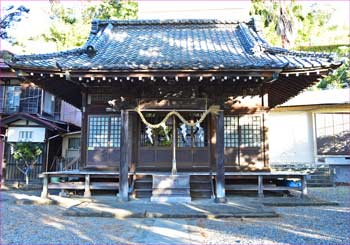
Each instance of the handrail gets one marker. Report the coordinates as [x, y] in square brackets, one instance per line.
[71, 163]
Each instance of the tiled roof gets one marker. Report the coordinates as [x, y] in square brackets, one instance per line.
[51, 125]
[175, 45]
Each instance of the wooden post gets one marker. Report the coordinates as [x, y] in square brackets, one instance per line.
[123, 164]
[303, 186]
[265, 135]
[260, 186]
[87, 192]
[44, 193]
[219, 155]
[212, 142]
[84, 125]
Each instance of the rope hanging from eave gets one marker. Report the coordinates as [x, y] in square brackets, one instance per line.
[213, 110]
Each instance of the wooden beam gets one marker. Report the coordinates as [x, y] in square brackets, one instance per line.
[219, 155]
[124, 157]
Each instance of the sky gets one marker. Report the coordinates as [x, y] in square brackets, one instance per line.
[37, 20]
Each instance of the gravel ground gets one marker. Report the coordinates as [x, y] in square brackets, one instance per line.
[33, 224]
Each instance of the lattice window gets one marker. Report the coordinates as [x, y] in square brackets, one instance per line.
[242, 131]
[332, 133]
[104, 131]
[115, 131]
[231, 131]
[12, 95]
[250, 127]
[30, 99]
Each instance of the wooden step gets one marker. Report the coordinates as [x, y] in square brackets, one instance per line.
[255, 188]
[143, 193]
[67, 185]
[81, 185]
[104, 186]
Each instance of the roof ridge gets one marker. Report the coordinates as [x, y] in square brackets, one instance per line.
[167, 21]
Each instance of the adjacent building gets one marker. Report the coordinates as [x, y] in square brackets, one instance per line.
[315, 132]
[30, 114]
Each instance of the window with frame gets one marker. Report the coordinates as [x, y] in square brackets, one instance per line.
[104, 131]
[25, 136]
[74, 143]
[12, 99]
[231, 131]
[243, 131]
[30, 99]
[332, 133]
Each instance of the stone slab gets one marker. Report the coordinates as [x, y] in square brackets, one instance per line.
[171, 188]
[171, 181]
[147, 209]
[171, 198]
[295, 201]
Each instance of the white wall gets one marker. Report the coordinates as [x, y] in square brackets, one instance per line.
[38, 134]
[291, 137]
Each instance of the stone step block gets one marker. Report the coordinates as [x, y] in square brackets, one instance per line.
[171, 191]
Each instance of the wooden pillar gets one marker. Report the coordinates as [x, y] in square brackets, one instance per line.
[44, 193]
[124, 155]
[219, 156]
[212, 142]
[260, 186]
[84, 124]
[133, 141]
[265, 135]
[87, 192]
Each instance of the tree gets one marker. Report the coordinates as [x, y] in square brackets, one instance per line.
[279, 18]
[289, 24]
[111, 10]
[10, 16]
[26, 155]
[340, 78]
[70, 28]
